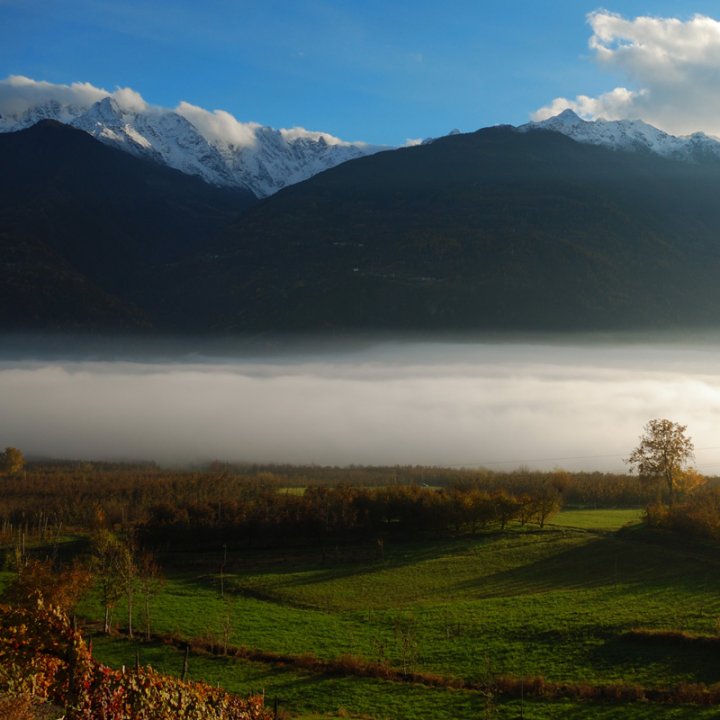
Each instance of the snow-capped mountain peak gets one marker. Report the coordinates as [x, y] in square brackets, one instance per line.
[225, 151]
[566, 120]
[214, 145]
[629, 135]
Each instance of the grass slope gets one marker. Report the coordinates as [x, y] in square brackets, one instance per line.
[555, 603]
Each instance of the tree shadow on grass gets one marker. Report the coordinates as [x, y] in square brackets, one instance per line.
[337, 562]
[607, 561]
[627, 561]
[691, 662]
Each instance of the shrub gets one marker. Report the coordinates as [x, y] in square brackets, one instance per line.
[43, 655]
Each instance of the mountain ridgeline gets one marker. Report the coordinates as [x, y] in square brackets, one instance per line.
[493, 230]
[243, 155]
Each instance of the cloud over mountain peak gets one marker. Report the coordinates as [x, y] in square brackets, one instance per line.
[671, 67]
[212, 144]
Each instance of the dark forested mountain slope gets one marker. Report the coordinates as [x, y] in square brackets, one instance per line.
[498, 229]
[87, 232]
[491, 230]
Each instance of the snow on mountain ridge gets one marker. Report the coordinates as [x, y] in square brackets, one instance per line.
[163, 136]
[214, 145]
[263, 163]
[629, 135]
[225, 151]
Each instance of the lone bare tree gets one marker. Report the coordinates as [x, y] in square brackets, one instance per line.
[662, 455]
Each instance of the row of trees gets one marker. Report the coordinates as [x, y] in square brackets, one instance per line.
[121, 569]
[346, 512]
[46, 499]
[49, 497]
[113, 563]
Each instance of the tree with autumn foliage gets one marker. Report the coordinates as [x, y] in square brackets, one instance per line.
[12, 461]
[150, 580]
[44, 659]
[113, 567]
[61, 586]
[663, 455]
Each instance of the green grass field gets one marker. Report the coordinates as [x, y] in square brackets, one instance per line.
[527, 602]
[307, 696]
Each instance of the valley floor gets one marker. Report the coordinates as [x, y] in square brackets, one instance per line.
[548, 615]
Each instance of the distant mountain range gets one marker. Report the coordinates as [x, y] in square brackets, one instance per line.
[499, 229]
[224, 152]
[631, 135]
[502, 229]
[259, 159]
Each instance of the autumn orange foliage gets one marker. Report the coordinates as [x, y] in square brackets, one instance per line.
[43, 656]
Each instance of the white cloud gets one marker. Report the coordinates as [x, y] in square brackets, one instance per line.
[300, 133]
[219, 126]
[129, 99]
[498, 405]
[19, 93]
[614, 105]
[672, 68]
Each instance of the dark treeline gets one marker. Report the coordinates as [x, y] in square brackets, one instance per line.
[47, 497]
[347, 512]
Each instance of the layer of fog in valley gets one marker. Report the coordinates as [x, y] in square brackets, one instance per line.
[543, 403]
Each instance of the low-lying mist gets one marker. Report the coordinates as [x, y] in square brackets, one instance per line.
[496, 404]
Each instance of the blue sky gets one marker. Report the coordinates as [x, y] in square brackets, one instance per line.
[379, 71]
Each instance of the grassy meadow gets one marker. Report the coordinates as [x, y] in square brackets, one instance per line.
[556, 602]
